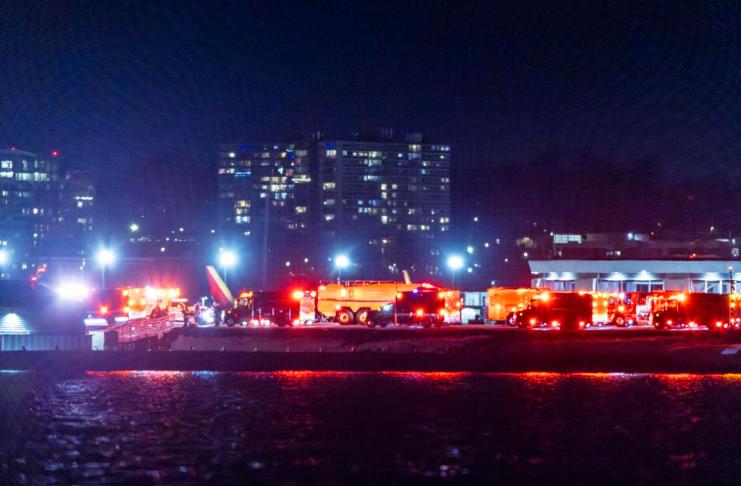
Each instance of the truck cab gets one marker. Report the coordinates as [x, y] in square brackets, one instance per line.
[262, 309]
[691, 310]
[421, 306]
[558, 310]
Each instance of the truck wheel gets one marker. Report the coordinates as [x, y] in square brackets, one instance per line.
[344, 317]
[362, 316]
[230, 321]
[659, 325]
[619, 321]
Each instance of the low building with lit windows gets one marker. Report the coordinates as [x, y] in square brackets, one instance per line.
[713, 276]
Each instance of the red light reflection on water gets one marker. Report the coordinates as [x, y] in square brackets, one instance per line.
[428, 375]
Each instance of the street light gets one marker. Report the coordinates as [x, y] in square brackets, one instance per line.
[105, 259]
[133, 227]
[455, 263]
[341, 261]
[4, 256]
[227, 259]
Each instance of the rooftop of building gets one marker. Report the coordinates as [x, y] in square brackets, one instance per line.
[13, 152]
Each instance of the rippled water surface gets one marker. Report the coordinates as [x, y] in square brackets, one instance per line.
[160, 427]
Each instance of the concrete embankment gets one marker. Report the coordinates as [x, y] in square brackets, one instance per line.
[410, 350]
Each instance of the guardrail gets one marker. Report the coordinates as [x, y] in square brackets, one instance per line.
[137, 329]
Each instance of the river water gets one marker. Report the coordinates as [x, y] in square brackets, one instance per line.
[184, 427]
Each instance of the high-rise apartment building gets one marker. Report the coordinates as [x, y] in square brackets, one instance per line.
[44, 209]
[383, 201]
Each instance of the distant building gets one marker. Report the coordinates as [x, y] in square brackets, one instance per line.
[626, 262]
[384, 202]
[74, 219]
[44, 210]
[711, 276]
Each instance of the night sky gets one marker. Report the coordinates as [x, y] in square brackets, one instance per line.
[576, 115]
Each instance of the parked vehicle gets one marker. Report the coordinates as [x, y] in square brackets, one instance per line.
[503, 303]
[421, 306]
[558, 310]
[691, 310]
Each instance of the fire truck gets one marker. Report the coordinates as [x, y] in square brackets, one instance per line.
[559, 310]
[262, 308]
[503, 303]
[111, 306]
[691, 310]
[350, 302]
[735, 311]
[424, 305]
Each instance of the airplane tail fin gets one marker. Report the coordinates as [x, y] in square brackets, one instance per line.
[219, 291]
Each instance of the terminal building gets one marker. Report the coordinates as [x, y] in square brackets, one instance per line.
[638, 262]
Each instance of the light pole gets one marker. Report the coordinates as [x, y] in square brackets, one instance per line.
[227, 259]
[105, 259]
[455, 263]
[732, 287]
[341, 261]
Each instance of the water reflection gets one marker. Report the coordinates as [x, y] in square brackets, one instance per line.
[292, 426]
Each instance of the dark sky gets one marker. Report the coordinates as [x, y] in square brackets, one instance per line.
[143, 91]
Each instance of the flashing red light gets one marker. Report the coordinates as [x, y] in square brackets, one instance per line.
[533, 321]
[313, 293]
[55, 153]
[420, 312]
[398, 296]
[718, 324]
[103, 309]
[670, 322]
[12, 147]
[693, 324]
[582, 324]
[297, 294]
[555, 324]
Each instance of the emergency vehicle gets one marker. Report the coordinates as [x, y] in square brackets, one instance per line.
[691, 310]
[558, 310]
[424, 305]
[258, 308]
[350, 302]
[502, 303]
[112, 306]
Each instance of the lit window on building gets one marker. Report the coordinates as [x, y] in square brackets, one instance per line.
[328, 217]
[328, 186]
[562, 239]
[300, 209]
